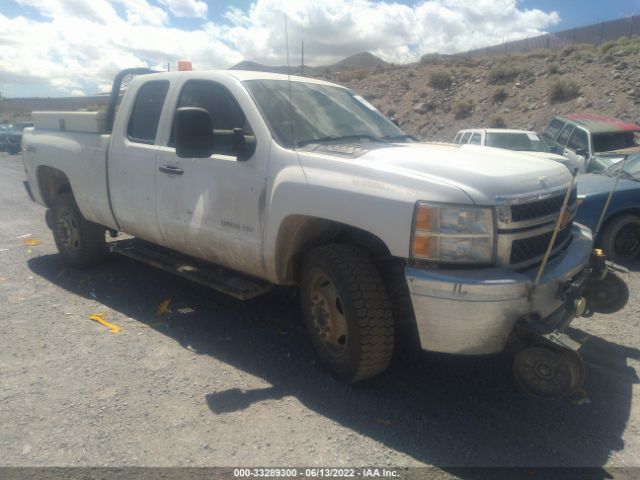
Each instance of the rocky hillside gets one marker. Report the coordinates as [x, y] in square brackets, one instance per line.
[435, 98]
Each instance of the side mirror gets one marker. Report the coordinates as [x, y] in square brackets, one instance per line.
[243, 145]
[193, 132]
[582, 152]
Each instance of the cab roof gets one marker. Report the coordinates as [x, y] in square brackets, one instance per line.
[597, 123]
[241, 75]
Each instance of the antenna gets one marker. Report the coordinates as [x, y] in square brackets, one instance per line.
[286, 40]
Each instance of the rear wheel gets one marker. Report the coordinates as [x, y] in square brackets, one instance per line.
[347, 311]
[620, 240]
[80, 242]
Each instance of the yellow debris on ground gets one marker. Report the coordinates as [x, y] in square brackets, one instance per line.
[163, 308]
[113, 328]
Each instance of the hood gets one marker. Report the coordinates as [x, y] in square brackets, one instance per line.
[595, 184]
[549, 156]
[482, 173]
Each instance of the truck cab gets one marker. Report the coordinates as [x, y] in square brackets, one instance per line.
[583, 137]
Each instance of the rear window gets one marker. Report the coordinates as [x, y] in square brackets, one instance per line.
[528, 142]
[145, 115]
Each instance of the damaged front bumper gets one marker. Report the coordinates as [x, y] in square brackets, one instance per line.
[475, 311]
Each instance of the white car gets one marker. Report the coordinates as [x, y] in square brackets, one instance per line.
[245, 180]
[525, 141]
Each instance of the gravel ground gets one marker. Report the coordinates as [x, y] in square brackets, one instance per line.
[215, 381]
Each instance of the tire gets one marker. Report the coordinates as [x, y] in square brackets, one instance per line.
[81, 243]
[620, 240]
[347, 311]
[608, 295]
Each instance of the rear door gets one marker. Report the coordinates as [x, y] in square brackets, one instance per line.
[132, 160]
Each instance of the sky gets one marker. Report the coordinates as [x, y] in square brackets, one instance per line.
[75, 47]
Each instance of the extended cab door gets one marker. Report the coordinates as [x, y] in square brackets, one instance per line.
[213, 208]
[132, 159]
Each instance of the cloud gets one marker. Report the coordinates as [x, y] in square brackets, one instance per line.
[77, 93]
[80, 44]
[186, 8]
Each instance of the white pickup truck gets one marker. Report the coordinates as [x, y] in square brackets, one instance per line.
[299, 182]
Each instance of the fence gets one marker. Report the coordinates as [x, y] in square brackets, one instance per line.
[595, 34]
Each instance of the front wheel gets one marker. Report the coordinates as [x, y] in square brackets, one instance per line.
[80, 242]
[347, 311]
[620, 240]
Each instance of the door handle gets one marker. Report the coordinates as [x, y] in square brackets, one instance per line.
[171, 169]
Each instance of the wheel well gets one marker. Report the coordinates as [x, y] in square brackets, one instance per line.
[298, 234]
[52, 182]
[618, 214]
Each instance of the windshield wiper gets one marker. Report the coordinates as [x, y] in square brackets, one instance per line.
[330, 138]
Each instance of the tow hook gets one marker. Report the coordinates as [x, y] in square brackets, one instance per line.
[605, 291]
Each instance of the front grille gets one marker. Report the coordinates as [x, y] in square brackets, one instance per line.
[540, 208]
[527, 249]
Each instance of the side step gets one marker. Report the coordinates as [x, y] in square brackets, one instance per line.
[238, 285]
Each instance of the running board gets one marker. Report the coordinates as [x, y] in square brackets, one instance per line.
[237, 285]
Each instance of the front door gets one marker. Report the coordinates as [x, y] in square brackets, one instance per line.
[577, 149]
[211, 207]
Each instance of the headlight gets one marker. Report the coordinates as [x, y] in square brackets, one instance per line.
[449, 233]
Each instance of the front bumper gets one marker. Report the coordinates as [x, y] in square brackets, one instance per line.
[474, 311]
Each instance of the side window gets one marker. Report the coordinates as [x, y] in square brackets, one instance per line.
[465, 137]
[475, 139]
[553, 128]
[579, 140]
[223, 109]
[564, 135]
[145, 115]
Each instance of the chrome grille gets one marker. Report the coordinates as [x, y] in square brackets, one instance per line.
[526, 249]
[541, 208]
[525, 227]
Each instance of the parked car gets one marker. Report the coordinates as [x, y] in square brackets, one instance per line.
[523, 141]
[619, 236]
[13, 137]
[244, 180]
[582, 137]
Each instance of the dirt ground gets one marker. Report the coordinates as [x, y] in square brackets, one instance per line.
[214, 381]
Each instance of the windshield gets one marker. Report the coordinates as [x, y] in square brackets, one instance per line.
[319, 113]
[605, 142]
[631, 168]
[528, 142]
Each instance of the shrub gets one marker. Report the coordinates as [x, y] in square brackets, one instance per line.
[462, 109]
[499, 95]
[553, 69]
[562, 89]
[607, 46]
[431, 59]
[440, 79]
[501, 74]
[496, 121]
